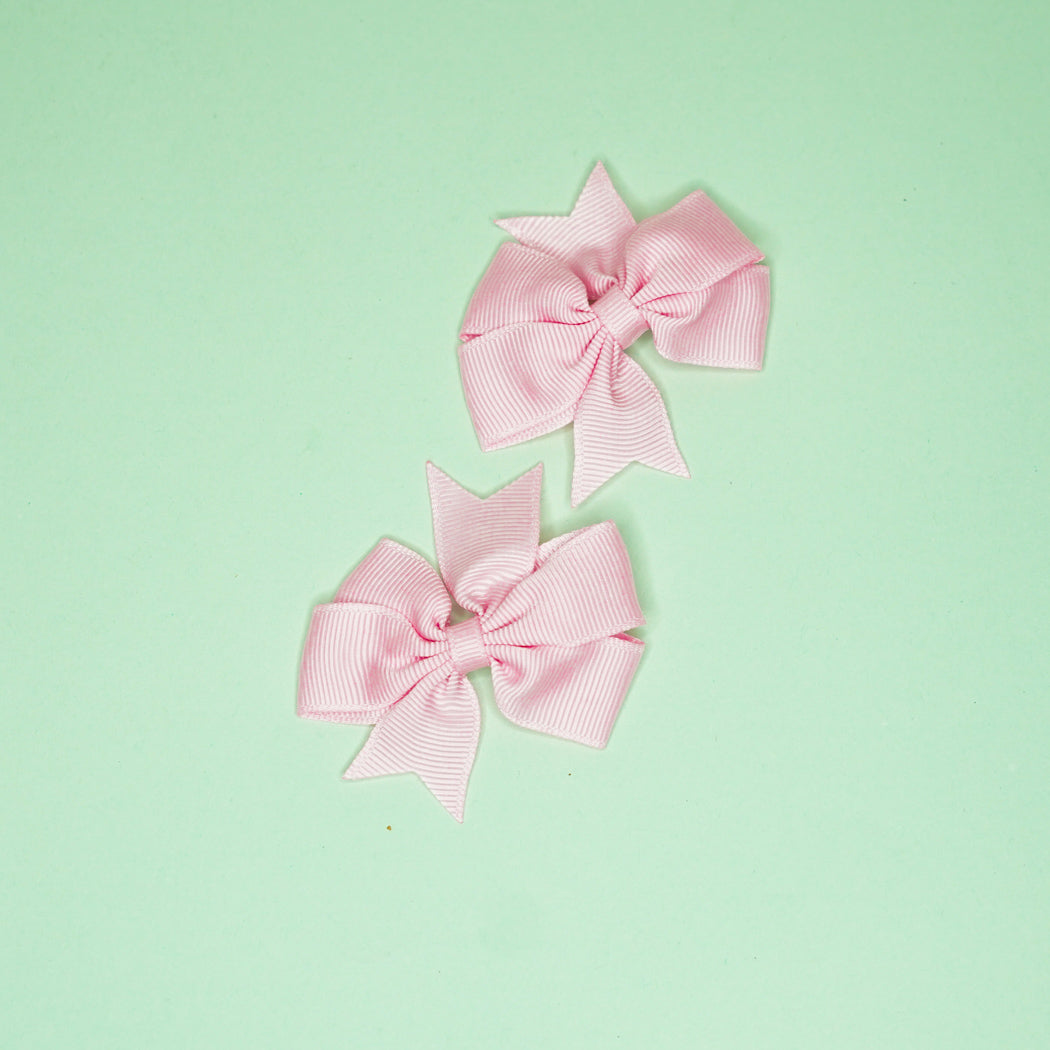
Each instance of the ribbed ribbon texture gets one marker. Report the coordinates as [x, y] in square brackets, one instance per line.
[549, 619]
[545, 332]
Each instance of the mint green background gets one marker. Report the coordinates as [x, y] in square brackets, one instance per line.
[237, 242]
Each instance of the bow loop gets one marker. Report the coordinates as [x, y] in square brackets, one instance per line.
[523, 286]
[582, 591]
[693, 276]
[398, 579]
[572, 693]
[382, 635]
[531, 341]
[721, 326]
[690, 246]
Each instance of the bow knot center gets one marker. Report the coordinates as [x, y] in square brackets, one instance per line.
[466, 646]
[623, 320]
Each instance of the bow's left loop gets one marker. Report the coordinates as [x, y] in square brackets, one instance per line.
[380, 654]
[382, 635]
[561, 663]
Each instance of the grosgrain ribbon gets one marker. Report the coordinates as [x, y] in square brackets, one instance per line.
[548, 618]
[545, 333]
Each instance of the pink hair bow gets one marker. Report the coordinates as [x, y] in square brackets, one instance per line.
[548, 618]
[545, 332]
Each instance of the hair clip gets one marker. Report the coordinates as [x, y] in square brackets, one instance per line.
[544, 334]
[549, 619]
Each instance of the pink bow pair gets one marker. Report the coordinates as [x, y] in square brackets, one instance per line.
[549, 619]
[545, 333]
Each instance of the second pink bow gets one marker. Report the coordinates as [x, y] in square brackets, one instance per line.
[547, 617]
[545, 332]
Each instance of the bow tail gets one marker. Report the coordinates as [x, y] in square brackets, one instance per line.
[432, 732]
[620, 419]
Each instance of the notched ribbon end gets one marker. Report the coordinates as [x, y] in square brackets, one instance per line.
[453, 804]
[587, 481]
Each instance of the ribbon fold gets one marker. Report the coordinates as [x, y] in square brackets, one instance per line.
[549, 619]
[544, 336]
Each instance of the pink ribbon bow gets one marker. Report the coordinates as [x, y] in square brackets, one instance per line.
[545, 332]
[548, 618]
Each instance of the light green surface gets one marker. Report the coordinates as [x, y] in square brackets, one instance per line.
[237, 241]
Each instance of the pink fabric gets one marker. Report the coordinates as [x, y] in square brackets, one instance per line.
[545, 333]
[549, 619]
